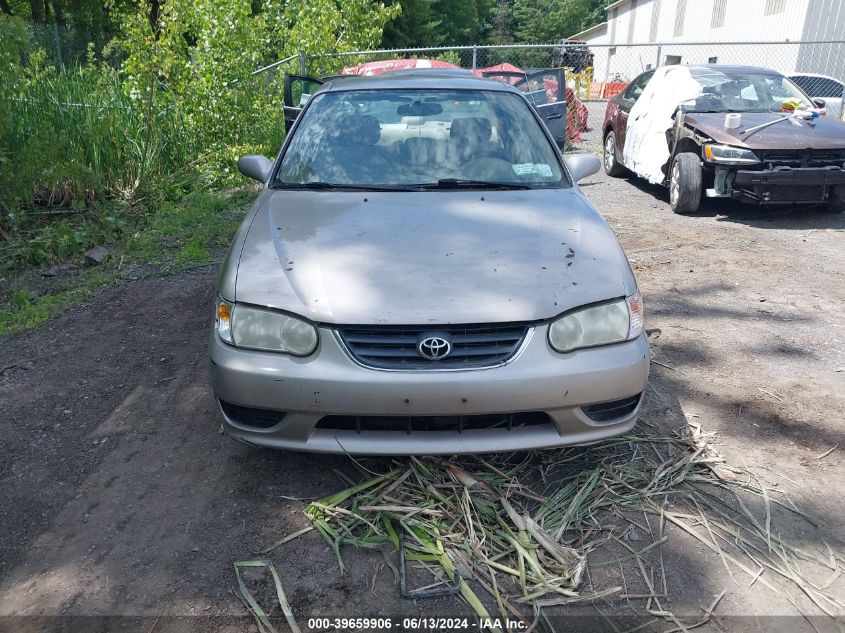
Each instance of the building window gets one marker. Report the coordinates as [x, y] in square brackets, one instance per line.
[632, 18]
[774, 6]
[712, 60]
[680, 15]
[717, 20]
[673, 60]
[655, 20]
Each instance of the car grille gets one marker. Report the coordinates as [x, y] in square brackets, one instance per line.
[609, 411]
[425, 423]
[395, 347]
[803, 157]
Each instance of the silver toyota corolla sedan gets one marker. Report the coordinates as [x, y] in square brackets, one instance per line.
[421, 275]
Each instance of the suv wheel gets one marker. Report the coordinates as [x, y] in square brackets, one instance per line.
[611, 165]
[685, 183]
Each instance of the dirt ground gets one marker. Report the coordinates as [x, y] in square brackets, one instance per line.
[120, 498]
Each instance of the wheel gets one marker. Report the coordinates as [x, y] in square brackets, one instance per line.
[685, 183]
[836, 202]
[612, 167]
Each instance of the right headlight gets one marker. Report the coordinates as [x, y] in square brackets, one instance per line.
[612, 322]
[265, 330]
[729, 155]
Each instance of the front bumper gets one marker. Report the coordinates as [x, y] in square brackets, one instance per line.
[330, 382]
[778, 185]
[823, 176]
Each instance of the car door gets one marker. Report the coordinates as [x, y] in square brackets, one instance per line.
[298, 89]
[546, 90]
[626, 101]
[505, 76]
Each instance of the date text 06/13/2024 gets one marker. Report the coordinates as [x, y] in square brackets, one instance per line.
[421, 623]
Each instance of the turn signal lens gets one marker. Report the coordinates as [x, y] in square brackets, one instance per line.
[223, 321]
[635, 310]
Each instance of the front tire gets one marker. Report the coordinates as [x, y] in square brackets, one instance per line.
[685, 183]
[612, 167]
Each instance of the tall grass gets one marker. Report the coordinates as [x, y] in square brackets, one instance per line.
[82, 161]
[75, 150]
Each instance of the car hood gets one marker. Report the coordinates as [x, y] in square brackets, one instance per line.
[827, 133]
[429, 257]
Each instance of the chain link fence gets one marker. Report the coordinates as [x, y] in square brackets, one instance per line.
[595, 73]
[62, 45]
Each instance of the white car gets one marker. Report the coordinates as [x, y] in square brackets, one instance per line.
[822, 87]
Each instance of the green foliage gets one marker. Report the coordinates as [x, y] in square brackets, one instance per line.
[437, 23]
[172, 237]
[444, 22]
[501, 24]
[166, 109]
[191, 228]
[23, 311]
[548, 21]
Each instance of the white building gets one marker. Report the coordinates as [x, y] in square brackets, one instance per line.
[641, 34]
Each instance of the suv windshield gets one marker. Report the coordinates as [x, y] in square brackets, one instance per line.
[419, 138]
[744, 91]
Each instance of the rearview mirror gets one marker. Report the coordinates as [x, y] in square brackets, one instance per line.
[582, 165]
[255, 166]
[819, 103]
[419, 108]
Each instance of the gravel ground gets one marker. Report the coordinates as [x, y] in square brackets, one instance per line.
[120, 498]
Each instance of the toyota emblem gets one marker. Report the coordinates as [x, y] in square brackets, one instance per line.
[434, 346]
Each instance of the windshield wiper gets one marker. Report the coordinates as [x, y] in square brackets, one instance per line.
[335, 186]
[459, 183]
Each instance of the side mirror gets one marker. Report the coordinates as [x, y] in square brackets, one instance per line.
[255, 166]
[819, 103]
[582, 165]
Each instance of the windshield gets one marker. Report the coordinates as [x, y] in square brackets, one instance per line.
[419, 138]
[745, 91]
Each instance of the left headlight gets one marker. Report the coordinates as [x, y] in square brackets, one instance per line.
[729, 155]
[255, 328]
[612, 322]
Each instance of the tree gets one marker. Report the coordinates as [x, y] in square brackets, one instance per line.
[414, 26]
[501, 24]
[437, 23]
[548, 21]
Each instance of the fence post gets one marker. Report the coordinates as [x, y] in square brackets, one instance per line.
[659, 49]
[58, 46]
[302, 64]
[474, 57]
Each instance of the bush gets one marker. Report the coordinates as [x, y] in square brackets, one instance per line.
[85, 155]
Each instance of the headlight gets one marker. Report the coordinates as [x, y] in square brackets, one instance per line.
[613, 322]
[728, 155]
[254, 328]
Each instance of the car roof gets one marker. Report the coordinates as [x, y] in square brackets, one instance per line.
[820, 76]
[416, 79]
[732, 68]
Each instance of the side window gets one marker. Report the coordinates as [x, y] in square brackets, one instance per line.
[542, 87]
[633, 92]
[302, 90]
[827, 88]
[818, 86]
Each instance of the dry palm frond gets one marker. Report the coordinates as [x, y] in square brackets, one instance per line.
[527, 527]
